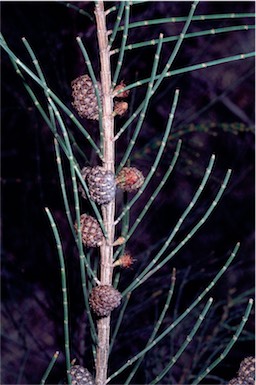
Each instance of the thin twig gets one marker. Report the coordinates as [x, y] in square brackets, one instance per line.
[64, 291]
[184, 18]
[212, 31]
[49, 368]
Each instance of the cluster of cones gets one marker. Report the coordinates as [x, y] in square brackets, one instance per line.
[102, 185]
[86, 102]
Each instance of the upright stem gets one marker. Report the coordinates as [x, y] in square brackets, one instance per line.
[108, 211]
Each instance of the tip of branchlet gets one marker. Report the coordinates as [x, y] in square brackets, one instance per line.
[119, 241]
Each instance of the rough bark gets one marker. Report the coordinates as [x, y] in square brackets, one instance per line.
[106, 269]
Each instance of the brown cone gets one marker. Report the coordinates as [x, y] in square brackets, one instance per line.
[92, 235]
[81, 376]
[85, 100]
[246, 373]
[101, 184]
[103, 299]
[129, 179]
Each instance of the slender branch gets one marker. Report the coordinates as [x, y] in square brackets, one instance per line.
[108, 211]
[77, 9]
[50, 366]
[191, 68]
[64, 291]
[122, 48]
[212, 31]
[183, 18]
[117, 23]
[63, 188]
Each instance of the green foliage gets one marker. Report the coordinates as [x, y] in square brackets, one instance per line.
[166, 147]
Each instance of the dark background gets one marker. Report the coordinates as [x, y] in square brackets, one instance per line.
[32, 318]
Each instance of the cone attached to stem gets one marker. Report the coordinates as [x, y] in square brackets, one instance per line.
[85, 100]
[81, 376]
[92, 235]
[101, 184]
[103, 299]
[129, 179]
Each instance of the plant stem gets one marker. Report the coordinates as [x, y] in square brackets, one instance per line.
[49, 368]
[64, 292]
[106, 269]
